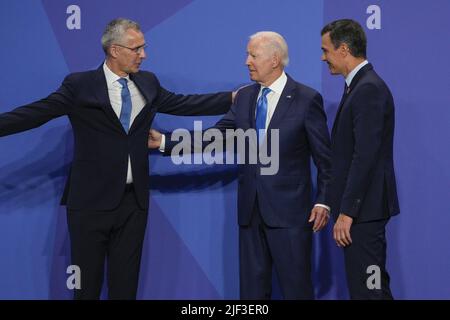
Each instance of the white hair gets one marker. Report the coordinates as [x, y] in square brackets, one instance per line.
[115, 31]
[275, 42]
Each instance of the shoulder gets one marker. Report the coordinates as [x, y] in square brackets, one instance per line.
[371, 81]
[249, 89]
[146, 75]
[305, 93]
[246, 93]
[80, 76]
[371, 87]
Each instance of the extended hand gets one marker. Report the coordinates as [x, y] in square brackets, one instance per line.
[341, 230]
[320, 217]
[154, 139]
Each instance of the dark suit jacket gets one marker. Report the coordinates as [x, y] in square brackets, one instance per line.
[285, 199]
[98, 172]
[363, 184]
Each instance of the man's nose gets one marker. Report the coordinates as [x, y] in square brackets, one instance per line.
[142, 54]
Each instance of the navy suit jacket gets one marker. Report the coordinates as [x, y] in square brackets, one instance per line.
[363, 184]
[285, 199]
[99, 168]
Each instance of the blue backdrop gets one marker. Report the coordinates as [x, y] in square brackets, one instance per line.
[199, 46]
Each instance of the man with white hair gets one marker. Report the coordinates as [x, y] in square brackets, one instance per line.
[275, 213]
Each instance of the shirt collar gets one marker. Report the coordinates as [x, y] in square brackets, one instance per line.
[278, 85]
[110, 76]
[353, 73]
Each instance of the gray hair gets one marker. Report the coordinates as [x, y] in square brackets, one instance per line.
[115, 30]
[276, 43]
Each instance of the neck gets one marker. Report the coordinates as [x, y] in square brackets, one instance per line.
[114, 68]
[353, 63]
[272, 79]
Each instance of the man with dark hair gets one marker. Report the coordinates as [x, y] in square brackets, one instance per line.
[111, 110]
[363, 188]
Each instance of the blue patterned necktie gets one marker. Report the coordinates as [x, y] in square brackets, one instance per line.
[261, 114]
[125, 113]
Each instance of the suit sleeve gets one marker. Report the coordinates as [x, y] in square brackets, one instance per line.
[367, 117]
[192, 105]
[227, 122]
[319, 142]
[37, 113]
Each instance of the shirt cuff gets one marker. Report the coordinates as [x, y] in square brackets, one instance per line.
[162, 146]
[323, 206]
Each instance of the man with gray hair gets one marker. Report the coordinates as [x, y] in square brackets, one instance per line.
[275, 212]
[111, 110]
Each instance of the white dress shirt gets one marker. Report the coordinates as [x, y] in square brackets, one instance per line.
[276, 88]
[353, 73]
[115, 97]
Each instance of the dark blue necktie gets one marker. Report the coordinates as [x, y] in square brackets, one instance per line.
[261, 114]
[125, 112]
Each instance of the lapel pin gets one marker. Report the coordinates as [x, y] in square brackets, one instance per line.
[288, 97]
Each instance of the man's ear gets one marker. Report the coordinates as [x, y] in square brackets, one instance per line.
[276, 61]
[344, 50]
[113, 52]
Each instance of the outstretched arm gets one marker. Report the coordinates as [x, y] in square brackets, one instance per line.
[37, 113]
[193, 105]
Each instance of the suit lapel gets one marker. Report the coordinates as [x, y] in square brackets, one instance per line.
[148, 91]
[145, 89]
[353, 84]
[344, 96]
[359, 75]
[285, 101]
[253, 101]
[101, 91]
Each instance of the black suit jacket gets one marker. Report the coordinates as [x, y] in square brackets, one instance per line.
[285, 198]
[98, 172]
[363, 184]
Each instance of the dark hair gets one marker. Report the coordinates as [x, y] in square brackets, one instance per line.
[349, 32]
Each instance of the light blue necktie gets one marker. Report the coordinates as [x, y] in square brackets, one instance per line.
[125, 113]
[261, 113]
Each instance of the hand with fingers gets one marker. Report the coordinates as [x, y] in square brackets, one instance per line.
[154, 139]
[320, 216]
[341, 230]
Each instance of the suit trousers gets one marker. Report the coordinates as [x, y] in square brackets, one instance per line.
[365, 262]
[115, 237]
[287, 249]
